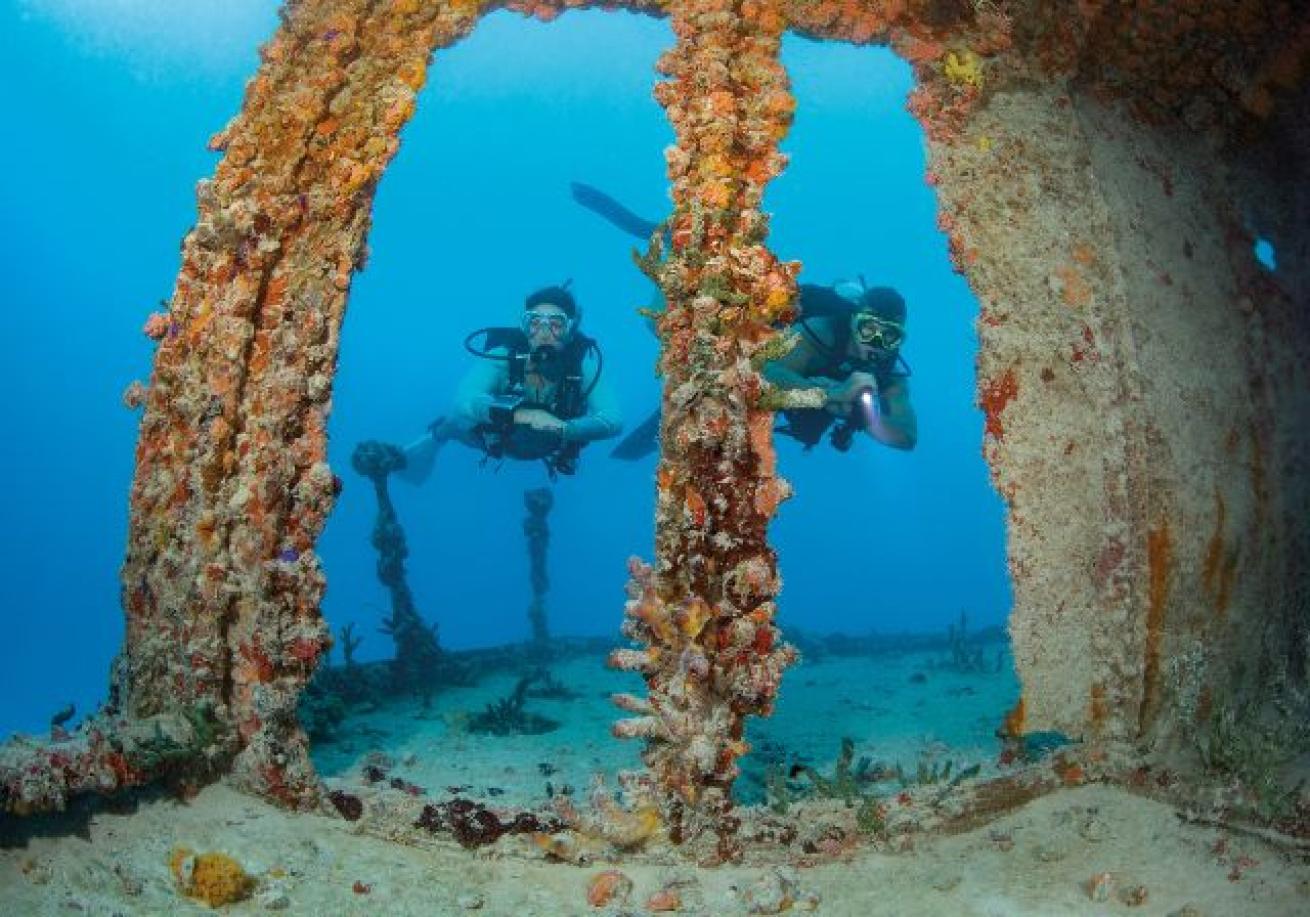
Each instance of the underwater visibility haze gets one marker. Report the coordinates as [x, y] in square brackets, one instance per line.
[474, 214]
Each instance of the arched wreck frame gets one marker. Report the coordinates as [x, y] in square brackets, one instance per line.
[1156, 505]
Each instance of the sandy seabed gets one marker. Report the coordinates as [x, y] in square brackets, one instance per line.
[898, 708]
[1037, 860]
[120, 866]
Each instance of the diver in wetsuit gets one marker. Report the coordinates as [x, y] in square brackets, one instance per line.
[537, 393]
[849, 346]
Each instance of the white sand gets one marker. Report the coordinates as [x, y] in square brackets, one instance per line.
[892, 719]
[1034, 861]
[1041, 874]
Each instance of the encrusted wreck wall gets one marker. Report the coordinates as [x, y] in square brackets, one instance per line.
[1033, 233]
[1144, 382]
[1224, 363]
[1272, 176]
[1133, 402]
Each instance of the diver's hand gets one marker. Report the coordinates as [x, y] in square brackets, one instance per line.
[843, 394]
[539, 420]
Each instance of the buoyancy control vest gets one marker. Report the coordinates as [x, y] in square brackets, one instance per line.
[563, 367]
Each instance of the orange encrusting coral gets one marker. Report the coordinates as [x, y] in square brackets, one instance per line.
[1074, 289]
[1201, 62]
[994, 395]
[1220, 565]
[1013, 724]
[1159, 561]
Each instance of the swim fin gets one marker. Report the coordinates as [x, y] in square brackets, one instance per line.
[641, 442]
[421, 454]
[601, 204]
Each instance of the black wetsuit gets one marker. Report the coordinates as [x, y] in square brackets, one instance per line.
[808, 425]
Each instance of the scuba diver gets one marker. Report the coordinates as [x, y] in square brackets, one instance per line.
[849, 345]
[536, 393]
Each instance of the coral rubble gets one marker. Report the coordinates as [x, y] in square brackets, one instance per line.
[104, 755]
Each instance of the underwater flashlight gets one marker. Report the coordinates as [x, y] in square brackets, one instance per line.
[864, 411]
[868, 407]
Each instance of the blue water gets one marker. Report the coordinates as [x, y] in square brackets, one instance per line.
[104, 141]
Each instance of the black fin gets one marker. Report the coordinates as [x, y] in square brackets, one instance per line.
[601, 204]
[641, 442]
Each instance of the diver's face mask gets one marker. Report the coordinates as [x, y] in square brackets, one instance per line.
[878, 333]
[546, 325]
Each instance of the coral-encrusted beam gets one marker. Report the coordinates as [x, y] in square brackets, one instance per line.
[221, 586]
[704, 612]
[104, 755]
[536, 530]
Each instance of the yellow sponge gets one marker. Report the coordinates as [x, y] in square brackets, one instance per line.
[214, 878]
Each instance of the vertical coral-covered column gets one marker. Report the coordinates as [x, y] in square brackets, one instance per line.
[705, 610]
[221, 585]
[536, 530]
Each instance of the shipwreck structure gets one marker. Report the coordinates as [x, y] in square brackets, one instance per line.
[537, 504]
[1103, 169]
